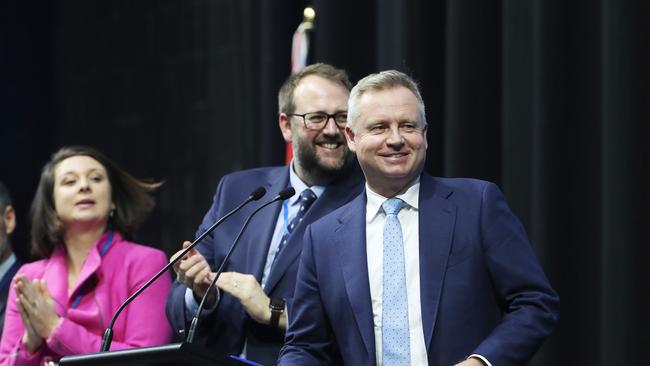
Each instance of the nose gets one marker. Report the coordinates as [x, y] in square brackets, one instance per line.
[84, 184]
[331, 129]
[395, 138]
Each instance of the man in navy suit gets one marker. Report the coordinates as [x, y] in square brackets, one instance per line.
[249, 319]
[416, 270]
[9, 265]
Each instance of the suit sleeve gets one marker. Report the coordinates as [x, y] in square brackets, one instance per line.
[12, 351]
[530, 305]
[175, 306]
[309, 335]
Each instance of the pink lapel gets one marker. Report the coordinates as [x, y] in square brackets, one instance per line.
[57, 279]
[57, 275]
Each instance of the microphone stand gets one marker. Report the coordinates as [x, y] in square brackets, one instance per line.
[283, 195]
[108, 333]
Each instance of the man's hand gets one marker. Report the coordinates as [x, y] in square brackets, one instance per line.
[193, 271]
[472, 361]
[246, 289]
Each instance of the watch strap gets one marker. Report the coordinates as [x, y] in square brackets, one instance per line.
[276, 305]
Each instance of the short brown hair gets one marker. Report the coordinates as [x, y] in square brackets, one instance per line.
[326, 71]
[130, 196]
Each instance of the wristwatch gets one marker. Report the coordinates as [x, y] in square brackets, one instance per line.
[277, 308]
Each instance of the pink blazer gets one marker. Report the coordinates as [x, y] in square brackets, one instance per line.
[107, 282]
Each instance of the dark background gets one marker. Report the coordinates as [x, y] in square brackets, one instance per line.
[548, 98]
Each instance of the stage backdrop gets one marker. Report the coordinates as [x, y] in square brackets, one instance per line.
[548, 98]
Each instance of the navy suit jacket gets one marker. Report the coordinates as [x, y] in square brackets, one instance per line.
[5, 287]
[482, 288]
[225, 329]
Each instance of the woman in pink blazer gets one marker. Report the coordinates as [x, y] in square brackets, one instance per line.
[84, 211]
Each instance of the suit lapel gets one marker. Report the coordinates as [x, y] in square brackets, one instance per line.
[56, 273]
[7, 280]
[334, 196]
[436, 224]
[350, 243]
[264, 223]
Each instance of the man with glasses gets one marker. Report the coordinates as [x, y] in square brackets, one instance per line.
[250, 318]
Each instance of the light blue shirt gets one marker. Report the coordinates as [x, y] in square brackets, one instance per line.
[291, 207]
[4, 267]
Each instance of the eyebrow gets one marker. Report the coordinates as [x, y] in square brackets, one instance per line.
[91, 170]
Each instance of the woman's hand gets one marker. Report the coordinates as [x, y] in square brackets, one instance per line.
[37, 309]
[31, 340]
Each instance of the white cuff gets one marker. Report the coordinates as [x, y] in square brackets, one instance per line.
[481, 358]
[191, 306]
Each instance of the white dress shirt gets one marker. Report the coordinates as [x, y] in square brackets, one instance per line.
[408, 218]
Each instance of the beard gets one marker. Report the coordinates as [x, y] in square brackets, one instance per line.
[314, 166]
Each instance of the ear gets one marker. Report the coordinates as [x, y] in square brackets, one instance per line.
[424, 135]
[284, 122]
[349, 135]
[10, 219]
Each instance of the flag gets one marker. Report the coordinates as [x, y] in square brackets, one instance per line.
[299, 54]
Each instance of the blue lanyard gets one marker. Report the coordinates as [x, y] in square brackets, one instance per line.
[107, 245]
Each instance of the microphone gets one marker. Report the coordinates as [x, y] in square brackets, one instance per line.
[108, 333]
[283, 195]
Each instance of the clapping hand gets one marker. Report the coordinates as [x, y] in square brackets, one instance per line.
[37, 311]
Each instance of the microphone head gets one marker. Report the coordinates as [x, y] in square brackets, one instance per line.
[286, 193]
[258, 193]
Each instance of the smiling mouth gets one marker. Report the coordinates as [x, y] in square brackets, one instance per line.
[394, 155]
[329, 145]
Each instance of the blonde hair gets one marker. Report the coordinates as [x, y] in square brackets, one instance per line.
[381, 81]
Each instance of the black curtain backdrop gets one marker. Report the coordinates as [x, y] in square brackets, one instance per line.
[550, 99]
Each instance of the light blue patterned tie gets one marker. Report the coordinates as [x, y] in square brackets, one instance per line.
[395, 320]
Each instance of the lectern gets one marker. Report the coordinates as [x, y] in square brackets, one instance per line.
[176, 354]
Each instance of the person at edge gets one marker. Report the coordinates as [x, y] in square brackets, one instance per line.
[8, 263]
[84, 211]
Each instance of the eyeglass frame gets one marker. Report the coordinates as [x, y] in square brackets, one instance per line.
[332, 116]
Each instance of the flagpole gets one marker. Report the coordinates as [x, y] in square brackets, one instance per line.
[300, 53]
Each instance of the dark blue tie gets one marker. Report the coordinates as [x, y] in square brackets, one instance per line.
[307, 197]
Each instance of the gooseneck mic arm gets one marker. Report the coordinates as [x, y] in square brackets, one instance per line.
[108, 333]
[283, 195]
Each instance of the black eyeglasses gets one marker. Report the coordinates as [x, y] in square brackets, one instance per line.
[318, 120]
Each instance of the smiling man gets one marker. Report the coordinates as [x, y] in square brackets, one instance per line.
[416, 270]
[261, 274]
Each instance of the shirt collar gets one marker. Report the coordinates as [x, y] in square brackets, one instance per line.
[375, 200]
[4, 267]
[300, 186]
